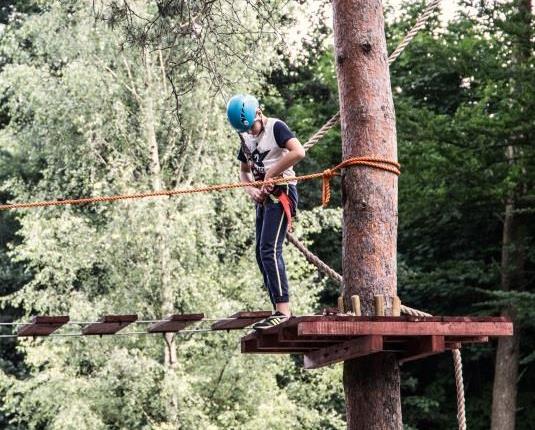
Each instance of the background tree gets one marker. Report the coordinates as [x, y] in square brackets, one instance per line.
[98, 119]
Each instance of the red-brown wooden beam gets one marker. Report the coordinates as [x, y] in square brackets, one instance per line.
[336, 353]
[174, 323]
[423, 346]
[42, 325]
[403, 328]
[240, 320]
[109, 324]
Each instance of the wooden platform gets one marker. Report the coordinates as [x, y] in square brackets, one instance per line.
[331, 339]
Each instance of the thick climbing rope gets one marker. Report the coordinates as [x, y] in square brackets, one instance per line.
[420, 23]
[326, 175]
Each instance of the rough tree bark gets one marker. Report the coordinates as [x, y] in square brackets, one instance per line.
[372, 384]
[507, 353]
[513, 248]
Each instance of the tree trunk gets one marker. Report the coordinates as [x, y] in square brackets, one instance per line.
[371, 384]
[507, 353]
[513, 251]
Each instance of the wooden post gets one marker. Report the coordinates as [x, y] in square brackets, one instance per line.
[341, 304]
[379, 304]
[355, 303]
[396, 306]
[369, 201]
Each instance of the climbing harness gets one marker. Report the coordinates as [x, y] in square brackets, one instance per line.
[279, 196]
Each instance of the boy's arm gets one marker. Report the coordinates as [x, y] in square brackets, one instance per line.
[295, 153]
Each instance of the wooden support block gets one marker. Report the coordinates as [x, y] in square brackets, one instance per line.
[271, 342]
[336, 353]
[42, 325]
[341, 308]
[396, 306]
[355, 304]
[289, 334]
[379, 302]
[109, 324]
[240, 320]
[423, 346]
[174, 323]
[249, 345]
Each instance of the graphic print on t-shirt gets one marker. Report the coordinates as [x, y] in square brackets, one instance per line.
[259, 171]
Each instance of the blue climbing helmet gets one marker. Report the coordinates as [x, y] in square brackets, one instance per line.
[241, 112]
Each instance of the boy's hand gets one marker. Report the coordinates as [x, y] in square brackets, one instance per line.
[257, 195]
[270, 186]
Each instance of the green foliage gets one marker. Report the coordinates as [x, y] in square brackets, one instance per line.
[84, 113]
[85, 117]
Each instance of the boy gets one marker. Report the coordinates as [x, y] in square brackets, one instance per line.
[268, 150]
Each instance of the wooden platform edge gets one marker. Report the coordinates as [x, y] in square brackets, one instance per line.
[403, 328]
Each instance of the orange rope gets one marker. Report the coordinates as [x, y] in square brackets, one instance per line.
[379, 163]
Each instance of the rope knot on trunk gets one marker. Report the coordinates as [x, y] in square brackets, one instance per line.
[375, 162]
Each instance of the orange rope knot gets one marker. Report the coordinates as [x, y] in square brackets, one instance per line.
[375, 162]
[326, 187]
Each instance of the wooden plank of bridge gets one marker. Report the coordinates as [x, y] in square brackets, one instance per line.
[363, 345]
[42, 325]
[240, 320]
[109, 324]
[174, 323]
[423, 346]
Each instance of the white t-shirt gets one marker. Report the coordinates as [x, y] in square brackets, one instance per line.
[263, 151]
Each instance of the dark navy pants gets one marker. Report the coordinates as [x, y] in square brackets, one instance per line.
[271, 226]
